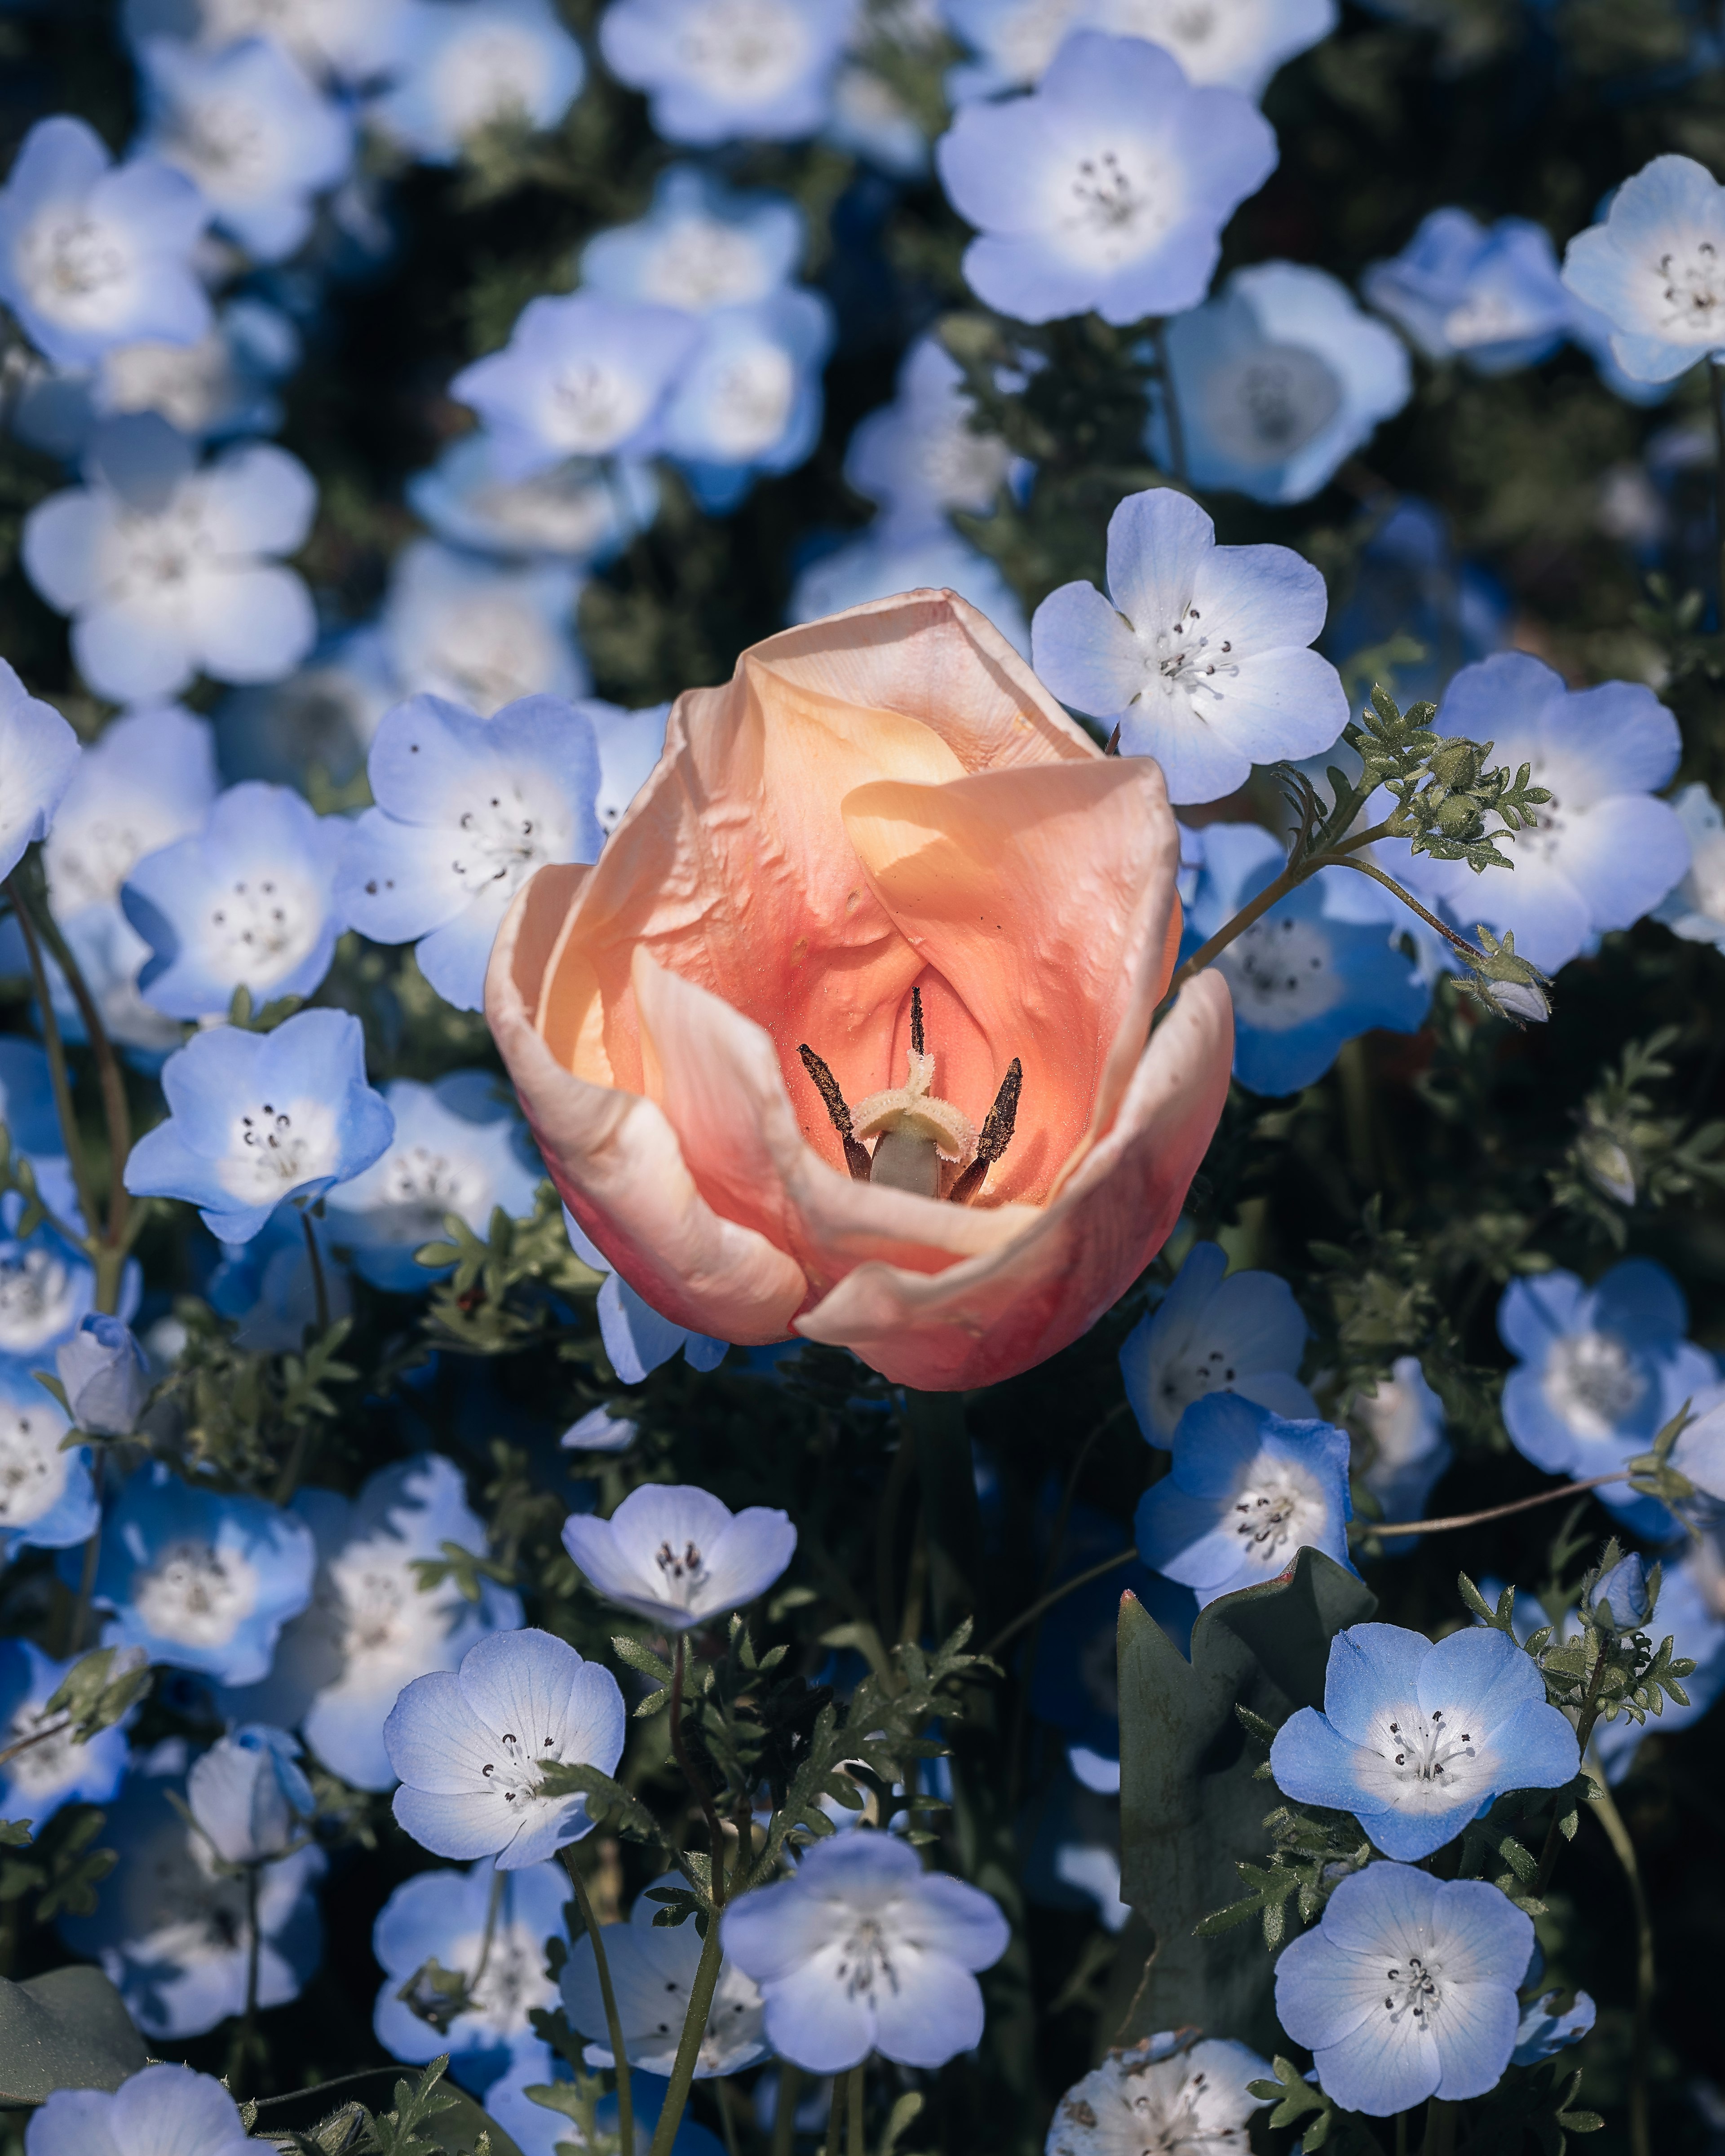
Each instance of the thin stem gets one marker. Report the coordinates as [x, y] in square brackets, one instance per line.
[92, 1559]
[110, 1077]
[836, 2117]
[1171, 407]
[722, 2096]
[784, 2113]
[37, 1736]
[701, 2002]
[1716, 371]
[1401, 2133]
[952, 1517]
[854, 2128]
[1618, 1835]
[1379, 1529]
[494, 1902]
[613, 2020]
[1345, 860]
[1585, 1721]
[323, 2088]
[703, 1796]
[320, 1284]
[1441, 2120]
[1253, 910]
[1066, 1587]
[59, 1075]
[246, 2043]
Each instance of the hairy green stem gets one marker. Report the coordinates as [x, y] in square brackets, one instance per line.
[702, 1795]
[855, 2107]
[613, 2020]
[1441, 2120]
[1618, 1835]
[682, 2079]
[784, 2114]
[1375, 1528]
[319, 1285]
[1585, 1721]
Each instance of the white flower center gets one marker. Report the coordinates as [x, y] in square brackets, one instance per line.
[865, 1959]
[487, 652]
[1030, 38]
[1115, 203]
[509, 834]
[744, 52]
[33, 1468]
[514, 1773]
[68, 259]
[490, 75]
[682, 1572]
[259, 927]
[1491, 318]
[1270, 1516]
[155, 557]
[194, 1593]
[1281, 973]
[89, 857]
[274, 1147]
[368, 1601]
[1190, 1371]
[1413, 1987]
[39, 1298]
[227, 144]
[51, 1761]
[564, 510]
[513, 1983]
[188, 384]
[1426, 1751]
[750, 401]
[1167, 2122]
[960, 468]
[1592, 1381]
[1262, 407]
[595, 407]
[188, 1914]
[1691, 289]
[421, 1186]
[1187, 660]
[703, 262]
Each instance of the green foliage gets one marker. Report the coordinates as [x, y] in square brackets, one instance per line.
[1627, 1153]
[98, 1689]
[68, 2029]
[63, 1869]
[501, 1295]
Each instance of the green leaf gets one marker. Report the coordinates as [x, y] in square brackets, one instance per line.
[68, 2029]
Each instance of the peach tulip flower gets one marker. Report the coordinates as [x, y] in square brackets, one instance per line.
[884, 817]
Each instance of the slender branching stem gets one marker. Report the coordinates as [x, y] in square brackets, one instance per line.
[320, 1284]
[1605, 1810]
[703, 1796]
[613, 2020]
[36, 1736]
[494, 1903]
[1047, 1601]
[855, 2107]
[110, 1077]
[1585, 1721]
[59, 1075]
[1367, 869]
[835, 2118]
[701, 2002]
[1379, 1529]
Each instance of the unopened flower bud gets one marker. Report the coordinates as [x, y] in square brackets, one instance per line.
[1608, 1164]
[248, 1794]
[1513, 987]
[1457, 763]
[106, 1375]
[1623, 1598]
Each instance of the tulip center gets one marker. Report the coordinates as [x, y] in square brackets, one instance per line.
[33, 1468]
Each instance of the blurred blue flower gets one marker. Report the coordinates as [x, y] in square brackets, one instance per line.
[1404, 1421]
[1305, 976]
[700, 246]
[222, 386]
[267, 1287]
[459, 1147]
[1690, 1611]
[164, 2107]
[1156, 166]
[1407, 1988]
[1277, 380]
[652, 1970]
[1488, 294]
[1542, 2032]
[106, 1376]
[919, 456]
[584, 376]
[371, 1628]
[172, 1932]
[539, 2132]
[749, 399]
[1410, 585]
[1199, 652]
[480, 633]
[322, 716]
[1242, 1333]
[726, 70]
[676, 1555]
[39, 760]
[468, 808]
[33, 1123]
[467, 1747]
[148, 778]
[820, 1945]
[586, 508]
[1417, 1740]
[198, 1580]
[457, 71]
[636, 1338]
[248, 901]
[1238, 46]
[93, 254]
[251, 129]
[893, 557]
[108, 952]
[1247, 1491]
[347, 39]
[249, 1796]
[165, 567]
[869, 117]
[255, 1118]
[630, 744]
[47, 1289]
[1597, 1371]
[447, 1916]
[51, 1770]
[1694, 908]
[1655, 269]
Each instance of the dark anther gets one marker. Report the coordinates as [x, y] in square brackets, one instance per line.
[856, 1157]
[917, 1020]
[1113, 747]
[997, 1127]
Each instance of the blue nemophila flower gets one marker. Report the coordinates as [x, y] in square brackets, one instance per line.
[1410, 580]
[1248, 1491]
[1239, 47]
[444, 1915]
[468, 1744]
[652, 1970]
[51, 1770]
[1275, 381]
[173, 1930]
[861, 1950]
[1417, 1740]
[47, 1288]
[267, 1286]
[892, 557]
[1407, 1988]
[1694, 908]
[637, 1339]
[1597, 1371]
[919, 456]
[1242, 1333]
[459, 70]
[1488, 294]
[481, 632]
[459, 1147]
[370, 1627]
[148, 778]
[1304, 978]
[1199, 652]
[249, 1794]
[630, 744]
[93, 254]
[585, 376]
[347, 40]
[728, 70]
[199, 1580]
[46, 1498]
[165, 567]
[248, 901]
[1107, 188]
[161, 2108]
[700, 246]
[1544, 2031]
[1164, 2092]
[468, 808]
[1623, 1600]
[539, 2132]
[583, 510]
[33, 1124]
[221, 385]
[1404, 1423]
[39, 760]
[677, 1555]
[599, 1430]
[322, 715]
[1655, 269]
[254, 133]
[256, 1118]
[749, 400]
[106, 1376]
